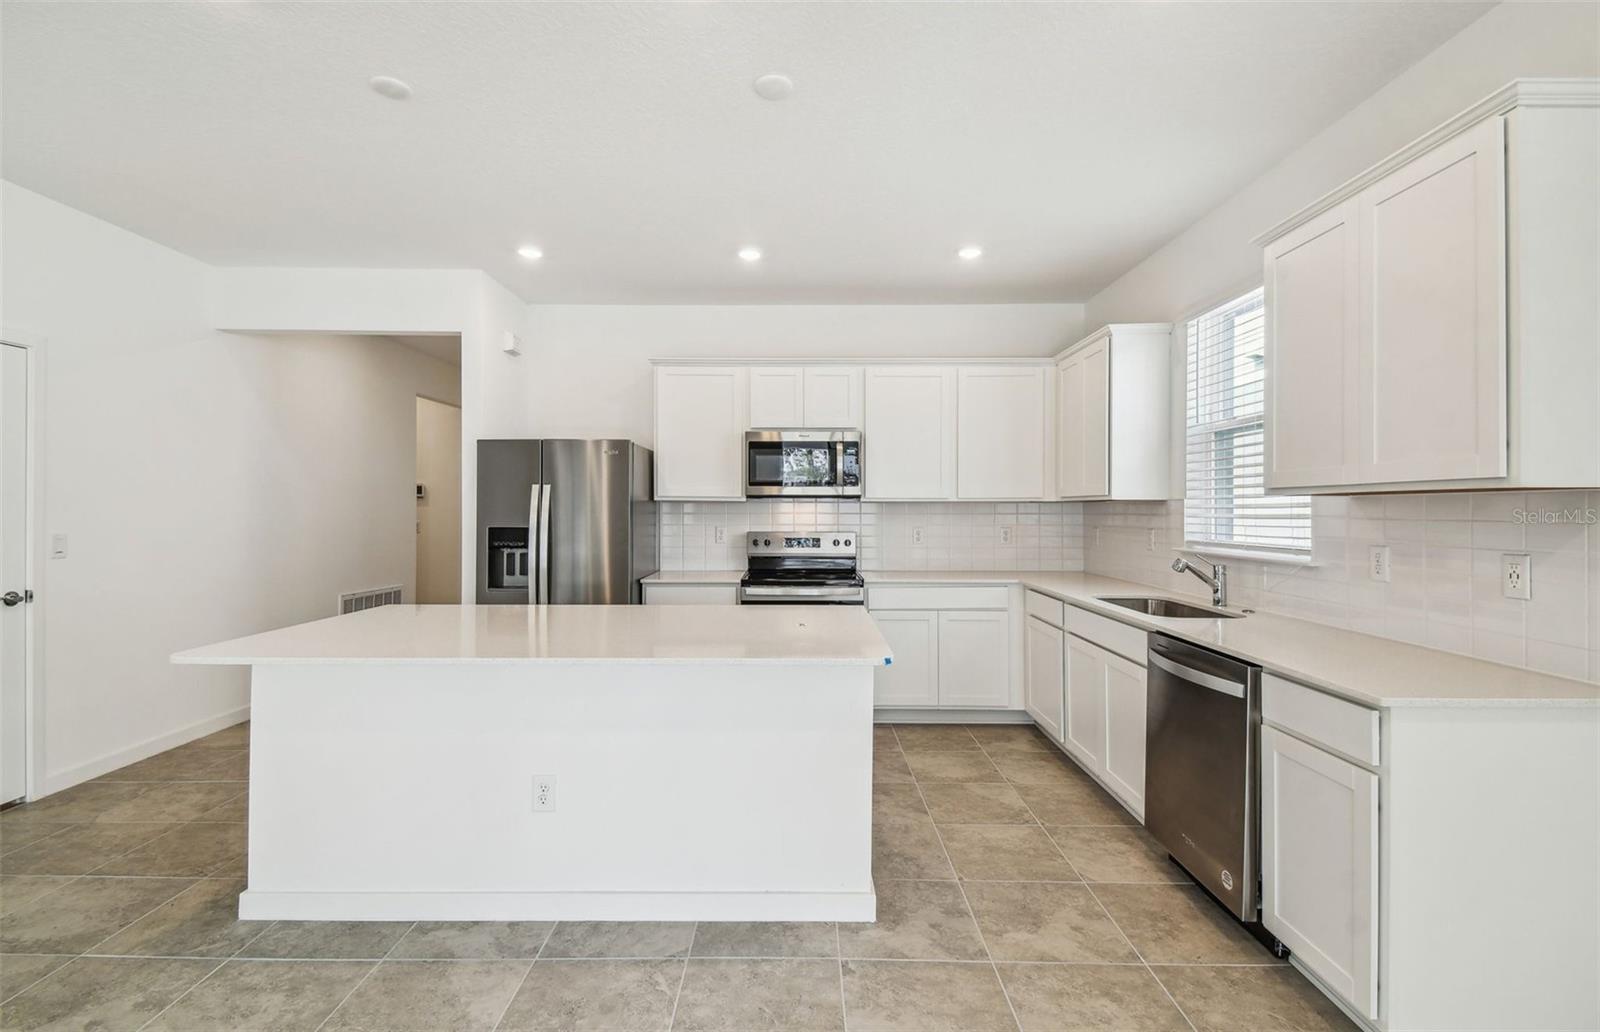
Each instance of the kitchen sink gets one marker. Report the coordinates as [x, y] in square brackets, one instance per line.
[1167, 607]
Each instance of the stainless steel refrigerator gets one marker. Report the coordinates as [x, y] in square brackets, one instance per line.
[564, 522]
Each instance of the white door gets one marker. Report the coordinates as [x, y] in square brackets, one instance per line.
[1313, 326]
[833, 397]
[1044, 688]
[1319, 863]
[13, 572]
[776, 398]
[910, 433]
[700, 424]
[1001, 445]
[974, 658]
[1086, 703]
[912, 678]
[1433, 352]
[1125, 727]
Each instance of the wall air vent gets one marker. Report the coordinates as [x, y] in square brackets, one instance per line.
[356, 601]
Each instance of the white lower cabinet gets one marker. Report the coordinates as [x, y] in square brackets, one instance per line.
[1105, 718]
[952, 646]
[691, 594]
[913, 678]
[1045, 675]
[1319, 863]
[974, 658]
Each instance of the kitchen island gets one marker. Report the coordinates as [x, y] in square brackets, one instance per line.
[561, 763]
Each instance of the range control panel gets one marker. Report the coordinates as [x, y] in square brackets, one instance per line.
[820, 543]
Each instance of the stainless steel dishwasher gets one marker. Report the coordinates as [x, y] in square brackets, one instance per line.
[1201, 744]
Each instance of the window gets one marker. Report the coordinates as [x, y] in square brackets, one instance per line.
[1224, 504]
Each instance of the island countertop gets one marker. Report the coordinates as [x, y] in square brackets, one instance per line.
[788, 635]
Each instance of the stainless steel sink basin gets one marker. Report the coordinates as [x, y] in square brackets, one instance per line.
[1167, 607]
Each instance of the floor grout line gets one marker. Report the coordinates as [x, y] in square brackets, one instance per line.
[327, 1017]
[683, 976]
[838, 949]
[501, 1020]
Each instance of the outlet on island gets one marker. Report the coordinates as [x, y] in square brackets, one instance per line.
[544, 793]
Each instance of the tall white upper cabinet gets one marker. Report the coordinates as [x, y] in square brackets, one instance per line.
[1434, 321]
[1113, 417]
[701, 415]
[910, 433]
[1003, 450]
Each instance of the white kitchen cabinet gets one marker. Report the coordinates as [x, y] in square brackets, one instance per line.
[974, 658]
[1085, 736]
[701, 416]
[910, 433]
[691, 594]
[1432, 322]
[1003, 432]
[1319, 864]
[777, 397]
[833, 397]
[1045, 675]
[1105, 719]
[1113, 414]
[912, 679]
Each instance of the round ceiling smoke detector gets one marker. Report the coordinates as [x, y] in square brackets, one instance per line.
[774, 87]
[389, 86]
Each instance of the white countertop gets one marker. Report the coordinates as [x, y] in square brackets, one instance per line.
[788, 635]
[1364, 668]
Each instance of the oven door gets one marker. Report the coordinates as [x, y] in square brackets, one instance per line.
[816, 463]
[825, 595]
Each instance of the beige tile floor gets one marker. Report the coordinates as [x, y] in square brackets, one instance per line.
[1012, 892]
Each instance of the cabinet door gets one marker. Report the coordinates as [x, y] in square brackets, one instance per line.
[1086, 703]
[700, 424]
[1069, 427]
[1312, 296]
[1096, 422]
[910, 433]
[1319, 863]
[1432, 402]
[1125, 728]
[974, 658]
[833, 397]
[1044, 691]
[913, 678]
[776, 398]
[1002, 426]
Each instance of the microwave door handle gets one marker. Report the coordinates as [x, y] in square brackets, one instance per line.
[545, 491]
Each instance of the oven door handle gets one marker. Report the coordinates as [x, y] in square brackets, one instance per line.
[1199, 677]
[760, 592]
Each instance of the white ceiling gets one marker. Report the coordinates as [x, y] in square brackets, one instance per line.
[1069, 139]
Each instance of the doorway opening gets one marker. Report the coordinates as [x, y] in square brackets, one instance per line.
[438, 502]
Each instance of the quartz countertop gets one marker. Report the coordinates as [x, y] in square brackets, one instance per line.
[1364, 668]
[786, 635]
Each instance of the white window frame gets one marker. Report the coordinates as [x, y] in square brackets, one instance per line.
[1198, 434]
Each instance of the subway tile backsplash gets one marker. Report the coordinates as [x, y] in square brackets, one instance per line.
[1445, 562]
[892, 535]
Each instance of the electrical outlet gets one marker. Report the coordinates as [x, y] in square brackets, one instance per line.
[719, 535]
[1516, 576]
[1378, 563]
[916, 535]
[544, 793]
[1005, 535]
[1150, 542]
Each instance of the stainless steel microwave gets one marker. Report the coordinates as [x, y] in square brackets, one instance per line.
[802, 463]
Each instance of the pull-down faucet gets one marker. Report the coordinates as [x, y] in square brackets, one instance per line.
[1217, 578]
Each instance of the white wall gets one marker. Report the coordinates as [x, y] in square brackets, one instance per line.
[439, 511]
[585, 369]
[212, 484]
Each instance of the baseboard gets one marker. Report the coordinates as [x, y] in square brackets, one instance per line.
[258, 905]
[901, 715]
[53, 783]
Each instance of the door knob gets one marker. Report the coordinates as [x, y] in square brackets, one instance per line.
[12, 598]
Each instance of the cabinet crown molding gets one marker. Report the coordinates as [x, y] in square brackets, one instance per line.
[1517, 93]
[1110, 328]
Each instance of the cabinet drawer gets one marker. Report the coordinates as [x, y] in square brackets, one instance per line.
[938, 597]
[1127, 642]
[1045, 608]
[1325, 719]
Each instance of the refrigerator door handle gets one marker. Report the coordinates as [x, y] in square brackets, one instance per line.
[544, 543]
[533, 531]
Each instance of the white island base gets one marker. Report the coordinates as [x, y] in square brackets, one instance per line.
[684, 789]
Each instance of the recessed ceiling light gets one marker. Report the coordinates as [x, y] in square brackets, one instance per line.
[971, 252]
[750, 254]
[774, 87]
[529, 252]
[390, 87]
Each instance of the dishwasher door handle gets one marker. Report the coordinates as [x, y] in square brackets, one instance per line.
[1199, 677]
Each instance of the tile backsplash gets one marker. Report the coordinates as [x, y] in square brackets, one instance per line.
[892, 535]
[1445, 562]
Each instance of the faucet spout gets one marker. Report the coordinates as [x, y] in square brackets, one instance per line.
[1216, 580]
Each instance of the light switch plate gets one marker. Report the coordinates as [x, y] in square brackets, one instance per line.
[1516, 576]
[58, 546]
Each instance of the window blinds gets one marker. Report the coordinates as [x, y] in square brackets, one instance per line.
[1224, 503]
